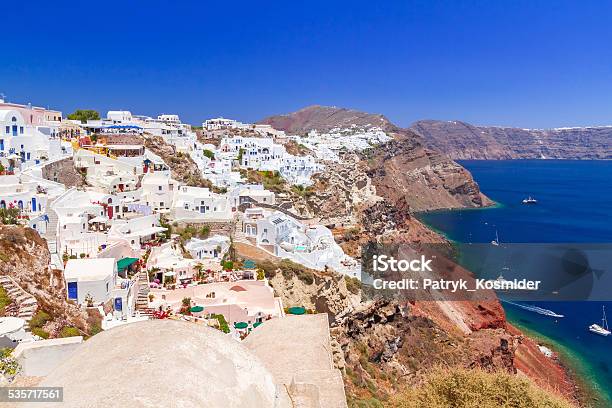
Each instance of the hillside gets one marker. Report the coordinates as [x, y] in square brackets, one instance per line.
[403, 169]
[462, 141]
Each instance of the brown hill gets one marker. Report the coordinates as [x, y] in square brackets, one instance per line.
[403, 169]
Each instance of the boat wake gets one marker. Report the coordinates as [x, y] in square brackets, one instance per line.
[535, 309]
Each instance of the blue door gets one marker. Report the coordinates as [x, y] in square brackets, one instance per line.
[14, 130]
[1, 144]
[33, 203]
[118, 304]
[73, 292]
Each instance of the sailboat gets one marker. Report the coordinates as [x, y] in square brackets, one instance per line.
[530, 200]
[496, 240]
[602, 330]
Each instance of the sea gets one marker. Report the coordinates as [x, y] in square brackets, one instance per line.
[574, 206]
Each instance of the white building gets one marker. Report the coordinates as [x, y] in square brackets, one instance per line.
[23, 144]
[200, 203]
[96, 281]
[214, 247]
[223, 123]
[310, 245]
[158, 189]
[264, 154]
[135, 231]
[251, 193]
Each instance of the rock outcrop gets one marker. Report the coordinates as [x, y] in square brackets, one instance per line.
[425, 179]
[461, 141]
[25, 258]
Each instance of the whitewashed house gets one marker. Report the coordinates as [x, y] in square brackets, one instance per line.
[135, 231]
[310, 245]
[200, 203]
[93, 282]
[158, 189]
[214, 247]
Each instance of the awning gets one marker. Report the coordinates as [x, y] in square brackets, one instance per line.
[125, 263]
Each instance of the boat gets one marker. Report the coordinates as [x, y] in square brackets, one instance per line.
[530, 200]
[496, 240]
[602, 330]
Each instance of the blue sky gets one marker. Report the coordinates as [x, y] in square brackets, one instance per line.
[517, 63]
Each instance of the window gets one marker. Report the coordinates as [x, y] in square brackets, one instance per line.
[106, 287]
[8, 130]
[161, 203]
[159, 188]
[21, 129]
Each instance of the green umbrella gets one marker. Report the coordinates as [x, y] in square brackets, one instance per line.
[297, 310]
[241, 325]
[257, 324]
[196, 309]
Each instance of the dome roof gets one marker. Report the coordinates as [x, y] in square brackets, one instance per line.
[162, 363]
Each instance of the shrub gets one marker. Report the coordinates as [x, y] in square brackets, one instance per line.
[68, 331]
[5, 300]
[40, 332]
[223, 326]
[459, 387]
[352, 284]
[9, 367]
[39, 319]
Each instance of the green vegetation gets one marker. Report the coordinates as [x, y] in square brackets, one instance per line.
[289, 269]
[240, 153]
[84, 115]
[5, 300]
[271, 180]
[208, 154]
[40, 332]
[9, 367]
[352, 284]
[190, 231]
[39, 319]
[459, 387]
[223, 326]
[302, 191]
[68, 331]
[9, 216]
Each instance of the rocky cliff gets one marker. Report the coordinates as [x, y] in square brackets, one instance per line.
[461, 140]
[404, 168]
[24, 257]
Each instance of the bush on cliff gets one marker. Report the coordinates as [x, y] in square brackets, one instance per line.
[461, 388]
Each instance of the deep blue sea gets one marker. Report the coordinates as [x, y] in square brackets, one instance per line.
[574, 205]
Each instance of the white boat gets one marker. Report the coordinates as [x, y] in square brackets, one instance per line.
[602, 330]
[496, 240]
[530, 200]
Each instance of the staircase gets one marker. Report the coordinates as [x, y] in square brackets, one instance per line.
[142, 297]
[51, 237]
[26, 303]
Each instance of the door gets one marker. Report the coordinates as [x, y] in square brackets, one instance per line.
[109, 212]
[73, 292]
[33, 203]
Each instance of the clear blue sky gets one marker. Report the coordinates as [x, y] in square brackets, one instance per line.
[520, 63]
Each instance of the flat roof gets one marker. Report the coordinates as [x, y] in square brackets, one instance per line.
[89, 269]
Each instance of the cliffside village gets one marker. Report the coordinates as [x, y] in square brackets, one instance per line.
[137, 244]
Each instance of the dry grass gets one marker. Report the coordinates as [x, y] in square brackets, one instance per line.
[462, 388]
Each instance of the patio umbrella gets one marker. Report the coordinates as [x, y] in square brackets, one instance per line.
[196, 309]
[241, 325]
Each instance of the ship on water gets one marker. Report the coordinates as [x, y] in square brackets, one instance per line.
[602, 330]
[530, 200]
